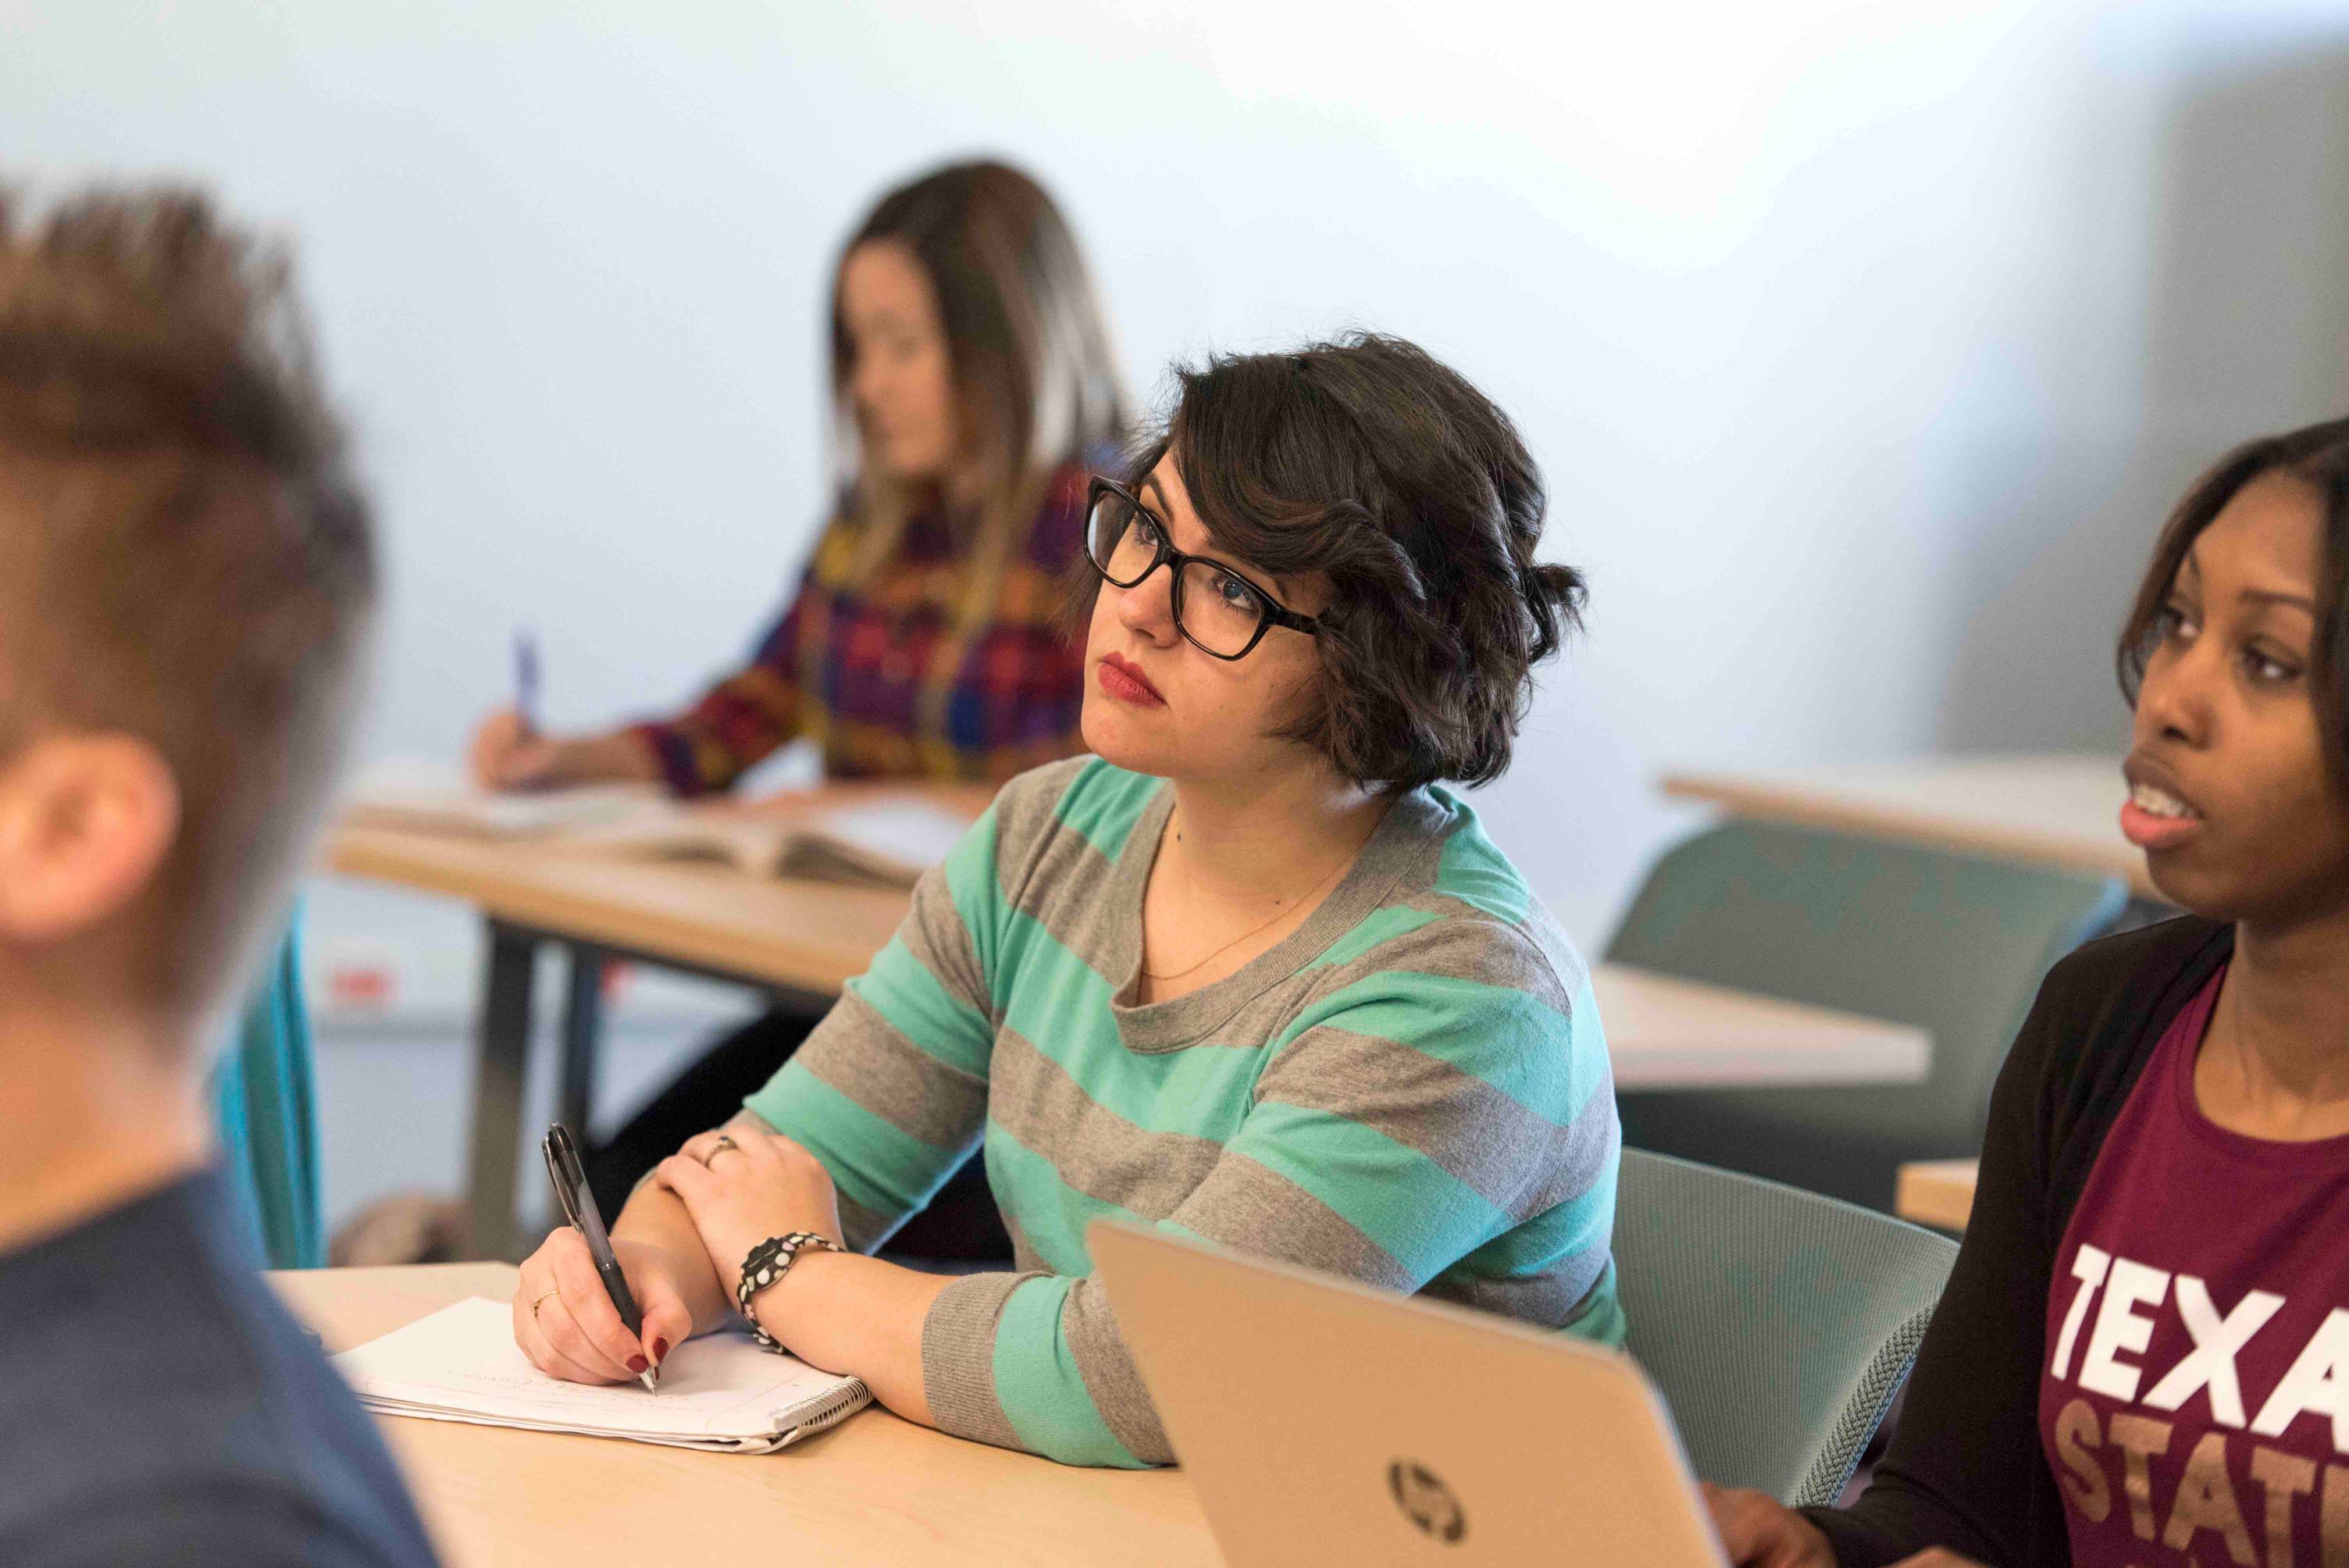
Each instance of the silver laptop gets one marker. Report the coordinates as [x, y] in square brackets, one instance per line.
[1322, 1421]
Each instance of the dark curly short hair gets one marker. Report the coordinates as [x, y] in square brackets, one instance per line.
[1368, 460]
[2318, 457]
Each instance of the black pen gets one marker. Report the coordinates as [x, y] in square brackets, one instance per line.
[579, 1208]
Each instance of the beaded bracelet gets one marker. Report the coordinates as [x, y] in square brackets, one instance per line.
[768, 1262]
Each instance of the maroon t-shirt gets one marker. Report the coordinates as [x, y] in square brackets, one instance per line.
[2194, 1396]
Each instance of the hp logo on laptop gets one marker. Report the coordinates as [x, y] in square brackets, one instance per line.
[1426, 1502]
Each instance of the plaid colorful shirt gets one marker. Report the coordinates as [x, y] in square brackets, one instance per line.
[876, 677]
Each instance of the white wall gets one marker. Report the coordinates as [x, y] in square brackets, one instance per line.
[1863, 343]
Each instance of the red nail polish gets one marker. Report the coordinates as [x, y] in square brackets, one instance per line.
[660, 1350]
[638, 1364]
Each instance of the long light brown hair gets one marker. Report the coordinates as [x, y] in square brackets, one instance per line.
[1036, 382]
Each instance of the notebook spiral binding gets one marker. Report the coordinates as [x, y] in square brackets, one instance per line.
[842, 1404]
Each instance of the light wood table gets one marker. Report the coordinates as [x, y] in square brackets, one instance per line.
[2061, 810]
[1937, 1192]
[1663, 1032]
[800, 940]
[875, 1489]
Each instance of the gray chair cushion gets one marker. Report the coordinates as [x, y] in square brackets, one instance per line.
[1778, 1324]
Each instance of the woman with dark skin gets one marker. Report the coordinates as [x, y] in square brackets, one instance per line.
[2143, 1353]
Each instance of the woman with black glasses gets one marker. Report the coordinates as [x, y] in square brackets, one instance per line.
[1249, 973]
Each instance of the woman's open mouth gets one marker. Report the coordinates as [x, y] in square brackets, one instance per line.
[2156, 817]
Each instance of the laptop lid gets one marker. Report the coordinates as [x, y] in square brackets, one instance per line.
[1324, 1422]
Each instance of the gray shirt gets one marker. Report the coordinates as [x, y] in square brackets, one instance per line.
[158, 1406]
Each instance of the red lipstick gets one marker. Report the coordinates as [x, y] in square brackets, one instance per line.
[1123, 680]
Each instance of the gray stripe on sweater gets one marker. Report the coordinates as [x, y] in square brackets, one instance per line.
[1252, 1207]
[1521, 1163]
[898, 1081]
[1547, 1298]
[934, 932]
[1095, 1151]
[1110, 1378]
[958, 1358]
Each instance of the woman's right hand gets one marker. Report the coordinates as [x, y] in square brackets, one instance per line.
[565, 1321]
[1759, 1531]
[508, 754]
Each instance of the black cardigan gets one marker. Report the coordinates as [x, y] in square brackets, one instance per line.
[1966, 1471]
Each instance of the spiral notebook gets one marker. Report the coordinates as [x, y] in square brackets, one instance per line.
[720, 1392]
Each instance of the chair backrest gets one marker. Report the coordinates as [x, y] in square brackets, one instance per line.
[1952, 944]
[1778, 1324]
[265, 1099]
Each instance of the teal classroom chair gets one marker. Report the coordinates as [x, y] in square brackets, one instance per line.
[1946, 942]
[1777, 1324]
[264, 1096]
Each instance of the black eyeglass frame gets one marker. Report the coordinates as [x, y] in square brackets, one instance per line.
[1271, 611]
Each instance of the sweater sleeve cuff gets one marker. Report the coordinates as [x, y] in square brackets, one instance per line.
[958, 1358]
[673, 749]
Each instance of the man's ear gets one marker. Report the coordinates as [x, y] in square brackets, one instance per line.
[84, 822]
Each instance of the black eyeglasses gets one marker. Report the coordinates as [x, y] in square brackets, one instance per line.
[1219, 611]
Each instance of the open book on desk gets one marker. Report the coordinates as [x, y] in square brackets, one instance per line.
[877, 835]
[719, 1392]
[886, 842]
[437, 798]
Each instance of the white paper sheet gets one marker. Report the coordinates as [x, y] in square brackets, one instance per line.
[721, 1390]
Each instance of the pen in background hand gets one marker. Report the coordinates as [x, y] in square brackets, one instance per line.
[579, 1208]
[525, 650]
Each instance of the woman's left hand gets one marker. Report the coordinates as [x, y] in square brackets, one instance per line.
[744, 1184]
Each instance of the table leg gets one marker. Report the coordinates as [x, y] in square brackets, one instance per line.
[583, 1028]
[501, 1061]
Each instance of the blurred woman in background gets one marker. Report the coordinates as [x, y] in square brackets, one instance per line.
[972, 379]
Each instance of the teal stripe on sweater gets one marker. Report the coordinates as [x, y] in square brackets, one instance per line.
[1505, 1038]
[1053, 1214]
[971, 882]
[1474, 870]
[1599, 1319]
[1042, 1390]
[1200, 1091]
[1102, 814]
[1583, 1222]
[1383, 925]
[901, 988]
[1390, 1191]
[1048, 974]
[874, 1163]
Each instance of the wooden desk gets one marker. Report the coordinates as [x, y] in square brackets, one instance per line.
[874, 1489]
[1937, 1192]
[800, 940]
[1663, 1032]
[2061, 810]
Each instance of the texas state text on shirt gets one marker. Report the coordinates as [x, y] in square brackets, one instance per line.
[2195, 1406]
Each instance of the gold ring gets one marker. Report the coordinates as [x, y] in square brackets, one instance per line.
[542, 1302]
[718, 1148]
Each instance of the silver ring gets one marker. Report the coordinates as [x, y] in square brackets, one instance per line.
[718, 1148]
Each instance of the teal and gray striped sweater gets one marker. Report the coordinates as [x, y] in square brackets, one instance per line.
[1412, 1090]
